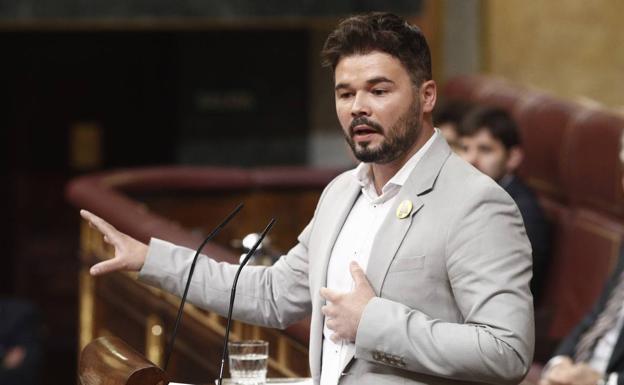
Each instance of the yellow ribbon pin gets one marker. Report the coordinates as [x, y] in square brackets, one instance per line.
[404, 209]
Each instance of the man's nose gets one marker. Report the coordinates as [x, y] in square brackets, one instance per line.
[473, 159]
[470, 157]
[360, 106]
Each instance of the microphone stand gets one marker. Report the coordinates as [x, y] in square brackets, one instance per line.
[232, 296]
[188, 281]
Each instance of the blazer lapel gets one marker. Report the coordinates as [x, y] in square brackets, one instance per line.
[390, 236]
[388, 240]
[338, 210]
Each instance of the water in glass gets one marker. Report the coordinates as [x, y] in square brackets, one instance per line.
[248, 362]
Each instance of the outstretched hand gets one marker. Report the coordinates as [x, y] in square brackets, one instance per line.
[344, 310]
[129, 253]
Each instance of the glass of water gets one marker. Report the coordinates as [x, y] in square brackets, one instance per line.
[248, 361]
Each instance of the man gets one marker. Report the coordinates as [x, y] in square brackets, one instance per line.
[415, 267]
[593, 353]
[490, 141]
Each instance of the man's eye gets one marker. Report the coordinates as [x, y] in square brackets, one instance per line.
[345, 95]
[379, 92]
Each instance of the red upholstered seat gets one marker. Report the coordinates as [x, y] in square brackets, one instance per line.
[464, 88]
[586, 250]
[592, 171]
[545, 124]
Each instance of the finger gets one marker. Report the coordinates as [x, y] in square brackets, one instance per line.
[106, 267]
[328, 311]
[359, 277]
[100, 224]
[329, 294]
[88, 215]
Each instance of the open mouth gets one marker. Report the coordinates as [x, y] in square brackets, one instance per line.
[363, 132]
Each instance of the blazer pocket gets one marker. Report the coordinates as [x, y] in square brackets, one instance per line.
[407, 264]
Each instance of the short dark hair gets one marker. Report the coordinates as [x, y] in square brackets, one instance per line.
[384, 32]
[496, 121]
[450, 111]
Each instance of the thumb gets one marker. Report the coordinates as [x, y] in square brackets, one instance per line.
[106, 267]
[359, 277]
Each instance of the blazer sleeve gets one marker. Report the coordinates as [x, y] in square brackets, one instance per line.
[488, 262]
[274, 296]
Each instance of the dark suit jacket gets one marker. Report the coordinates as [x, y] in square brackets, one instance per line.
[538, 230]
[567, 347]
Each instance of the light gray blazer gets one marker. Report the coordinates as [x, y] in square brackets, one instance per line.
[453, 303]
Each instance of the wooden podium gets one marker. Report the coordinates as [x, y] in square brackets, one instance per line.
[110, 361]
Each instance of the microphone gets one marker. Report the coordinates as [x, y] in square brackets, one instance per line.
[233, 295]
[188, 281]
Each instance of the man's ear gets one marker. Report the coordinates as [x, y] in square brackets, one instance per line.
[514, 159]
[428, 95]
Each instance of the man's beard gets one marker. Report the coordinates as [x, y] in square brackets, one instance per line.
[397, 141]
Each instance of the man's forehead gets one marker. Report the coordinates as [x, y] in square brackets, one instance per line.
[483, 136]
[374, 80]
[483, 133]
[369, 66]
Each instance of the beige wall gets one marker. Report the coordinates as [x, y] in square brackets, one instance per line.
[574, 48]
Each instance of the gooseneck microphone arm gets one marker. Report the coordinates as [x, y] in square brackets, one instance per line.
[188, 281]
[233, 295]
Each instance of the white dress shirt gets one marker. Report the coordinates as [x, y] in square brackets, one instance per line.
[354, 243]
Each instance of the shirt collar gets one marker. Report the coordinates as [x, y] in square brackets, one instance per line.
[363, 174]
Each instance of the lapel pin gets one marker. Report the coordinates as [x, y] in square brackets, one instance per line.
[404, 209]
